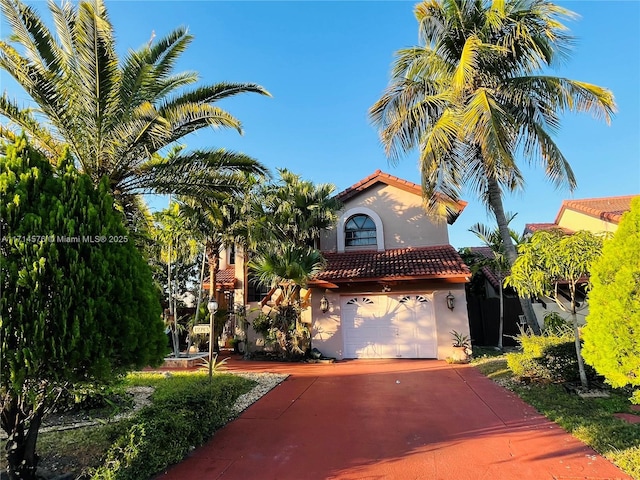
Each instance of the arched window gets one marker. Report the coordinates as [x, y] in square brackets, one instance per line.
[360, 230]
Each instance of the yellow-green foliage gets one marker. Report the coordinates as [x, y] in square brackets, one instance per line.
[526, 364]
[612, 334]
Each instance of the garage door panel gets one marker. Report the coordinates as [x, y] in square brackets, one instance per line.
[388, 327]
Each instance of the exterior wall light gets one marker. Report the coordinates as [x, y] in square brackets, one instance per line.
[451, 301]
[324, 304]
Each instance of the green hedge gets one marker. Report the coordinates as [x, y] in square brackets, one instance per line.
[185, 412]
[550, 357]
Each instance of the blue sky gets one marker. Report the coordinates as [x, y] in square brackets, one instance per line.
[327, 62]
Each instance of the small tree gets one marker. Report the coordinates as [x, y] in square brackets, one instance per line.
[611, 336]
[288, 267]
[77, 302]
[178, 250]
[551, 259]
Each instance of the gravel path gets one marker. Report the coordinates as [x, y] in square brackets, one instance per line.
[266, 382]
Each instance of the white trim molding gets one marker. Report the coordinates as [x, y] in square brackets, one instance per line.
[360, 211]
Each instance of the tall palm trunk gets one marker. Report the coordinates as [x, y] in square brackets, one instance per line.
[495, 203]
[501, 325]
[173, 328]
[199, 299]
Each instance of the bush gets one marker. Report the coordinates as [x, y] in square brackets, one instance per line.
[91, 396]
[186, 410]
[561, 364]
[611, 340]
[550, 357]
[262, 324]
[554, 323]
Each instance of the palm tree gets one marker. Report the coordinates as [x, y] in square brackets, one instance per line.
[116, 116]
[472, 96]
[302, 209]
[282, 222]
[492, 239]
[288, 267]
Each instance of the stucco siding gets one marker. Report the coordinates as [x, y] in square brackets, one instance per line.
[327, 334]
[579, 221]
[404, 220]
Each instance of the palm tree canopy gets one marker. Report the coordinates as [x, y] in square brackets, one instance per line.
[289, 264]
[474, 95]
[491, 238]
[294, 210]
[116, 115]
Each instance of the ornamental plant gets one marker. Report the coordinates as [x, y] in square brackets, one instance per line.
[77, 302]
[552, 259]
[612, 333]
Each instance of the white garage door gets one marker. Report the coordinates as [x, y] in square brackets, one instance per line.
[388, 326]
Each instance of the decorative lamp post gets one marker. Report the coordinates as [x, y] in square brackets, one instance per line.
[212, 306]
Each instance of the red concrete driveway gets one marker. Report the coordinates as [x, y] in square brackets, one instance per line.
[390, 419]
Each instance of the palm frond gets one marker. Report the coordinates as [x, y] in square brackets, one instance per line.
[42, 140]
[196, 174]
[213, 93]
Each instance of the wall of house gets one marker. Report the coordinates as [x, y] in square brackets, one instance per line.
[327, 334]
[552, 307]
[579, 221]
[403, 218]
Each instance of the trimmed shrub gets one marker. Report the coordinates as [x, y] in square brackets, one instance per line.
[611, 335]
[560, 364]
[550, 357]
[184, 414]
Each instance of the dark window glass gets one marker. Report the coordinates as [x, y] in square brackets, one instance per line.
[360, 230]
[255, 292]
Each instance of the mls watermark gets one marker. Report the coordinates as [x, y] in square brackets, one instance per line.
[64, 239]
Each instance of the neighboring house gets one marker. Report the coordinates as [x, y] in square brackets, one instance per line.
[597, 215]
[593, 214]
[389, 272]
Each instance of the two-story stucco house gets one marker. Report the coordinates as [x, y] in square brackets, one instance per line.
[393, 286]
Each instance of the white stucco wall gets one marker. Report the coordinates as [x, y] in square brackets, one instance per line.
[328, 338]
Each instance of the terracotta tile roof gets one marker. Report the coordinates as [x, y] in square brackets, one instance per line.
[489, 273]
[397, 264]
[225, 279]
[535, 227]
[609, 209]
[381, 177]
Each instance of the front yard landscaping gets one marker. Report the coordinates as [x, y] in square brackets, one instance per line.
[184, 412]
[591, 420]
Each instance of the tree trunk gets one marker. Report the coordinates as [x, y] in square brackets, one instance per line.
[199, 300]
[501, 325]
[22, 460]
[581, 370]
[213, 249]
[172, 310]
[576, 333]
[496, 206]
